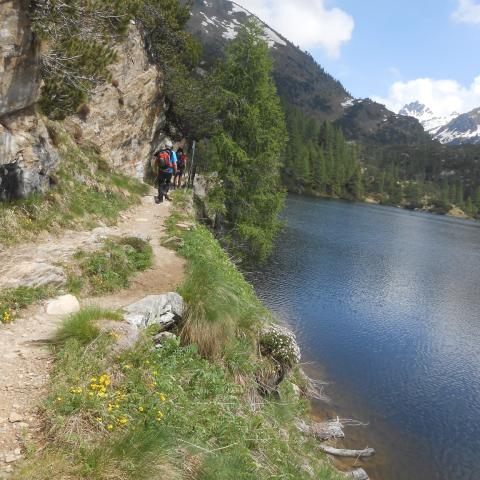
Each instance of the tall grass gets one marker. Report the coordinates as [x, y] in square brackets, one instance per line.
[222, 305]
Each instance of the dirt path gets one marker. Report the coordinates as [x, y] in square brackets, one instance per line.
[24, 356]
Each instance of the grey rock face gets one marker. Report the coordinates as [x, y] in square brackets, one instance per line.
[26, 155]
[33, 274]
[19, 79]
[162, 337]
[163, 310]
[126, 117]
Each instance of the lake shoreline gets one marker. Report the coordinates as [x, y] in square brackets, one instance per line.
[454, 212]
[384, 303]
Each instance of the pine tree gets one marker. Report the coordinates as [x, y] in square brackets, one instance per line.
[250, 146]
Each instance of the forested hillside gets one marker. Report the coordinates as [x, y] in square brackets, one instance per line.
[417, 169]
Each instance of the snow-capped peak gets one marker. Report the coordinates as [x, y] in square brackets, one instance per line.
[431, 122]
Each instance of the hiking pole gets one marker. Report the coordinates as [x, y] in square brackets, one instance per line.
[191, 172]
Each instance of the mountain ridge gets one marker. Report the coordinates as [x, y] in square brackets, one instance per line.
[454, 129]
[301, 82]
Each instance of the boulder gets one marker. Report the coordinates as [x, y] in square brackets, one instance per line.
[163, 310]
[64, 305]
[125, 334]
[32, 274]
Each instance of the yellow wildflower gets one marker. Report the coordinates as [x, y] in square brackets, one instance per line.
[122, 420]
[162, 397]
[140, 409]
[110, 427]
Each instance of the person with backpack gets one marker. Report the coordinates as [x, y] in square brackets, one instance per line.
[181, 166]
[165, 166]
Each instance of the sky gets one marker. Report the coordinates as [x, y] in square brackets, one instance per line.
[395, 52]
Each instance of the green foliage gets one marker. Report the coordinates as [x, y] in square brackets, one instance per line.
[110, 268]
[222, 305]
[192, 98]
[15, 299]
[247, 151]
[161, 413]
[280, 344]
[319, 159]
[84, 195]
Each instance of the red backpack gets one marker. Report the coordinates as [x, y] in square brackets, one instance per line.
[182, 161]
[164, 160]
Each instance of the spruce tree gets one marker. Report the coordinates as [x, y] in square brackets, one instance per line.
[253, 138]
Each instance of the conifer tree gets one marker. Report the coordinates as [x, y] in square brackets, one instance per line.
[250, 146]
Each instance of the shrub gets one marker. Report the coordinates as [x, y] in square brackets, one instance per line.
[280, 343]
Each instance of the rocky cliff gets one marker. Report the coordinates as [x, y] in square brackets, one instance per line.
[124, 118]
[26, 155]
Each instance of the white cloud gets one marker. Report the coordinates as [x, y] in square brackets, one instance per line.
[442, 96]
[307, 23]
[468, 11]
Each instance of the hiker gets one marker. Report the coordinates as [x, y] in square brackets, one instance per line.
[181, 166]
[165, 166]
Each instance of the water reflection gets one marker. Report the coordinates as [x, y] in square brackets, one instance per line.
[388, 302]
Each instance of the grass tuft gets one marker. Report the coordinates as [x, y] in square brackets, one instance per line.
[110, 268]
[81, 326]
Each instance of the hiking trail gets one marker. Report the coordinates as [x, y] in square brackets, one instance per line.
[25, 357]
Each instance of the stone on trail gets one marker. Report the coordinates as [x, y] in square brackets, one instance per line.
[64, 305]
[33, 274]
[15, 417]
[161, 310]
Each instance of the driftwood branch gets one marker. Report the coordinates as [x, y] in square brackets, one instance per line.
[343, 452]
[323, 431]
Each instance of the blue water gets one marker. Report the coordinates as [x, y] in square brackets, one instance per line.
[386, 304]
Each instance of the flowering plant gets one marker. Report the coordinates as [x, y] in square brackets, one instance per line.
[280, 343]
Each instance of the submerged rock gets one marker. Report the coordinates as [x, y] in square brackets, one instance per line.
[163, 310]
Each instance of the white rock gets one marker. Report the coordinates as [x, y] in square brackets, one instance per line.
[64, 305]
[155, 309]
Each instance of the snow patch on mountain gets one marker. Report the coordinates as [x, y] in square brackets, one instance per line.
[463, 129]
[348, 102]
[229, 29]
[431, 122]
